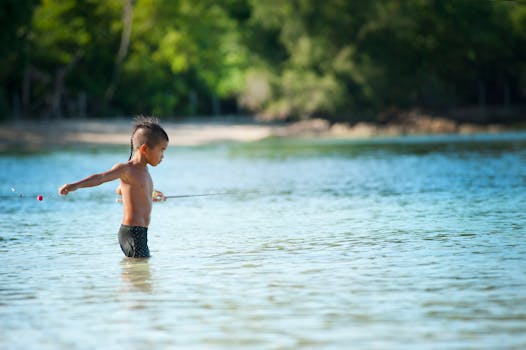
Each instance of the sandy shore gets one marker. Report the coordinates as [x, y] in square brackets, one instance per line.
[35, 135]
[31, 135]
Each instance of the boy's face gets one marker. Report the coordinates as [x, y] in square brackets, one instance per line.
[155, 154]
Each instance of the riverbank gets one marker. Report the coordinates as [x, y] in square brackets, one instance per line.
[37, 135]
[34, 135]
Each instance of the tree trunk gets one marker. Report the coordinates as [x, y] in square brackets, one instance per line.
[216, 105]
[482, 99]
[26, 91]
[507, 93]
[192, 103]
[82, 101]
[56, 101]
[127, 21]
[60, 75]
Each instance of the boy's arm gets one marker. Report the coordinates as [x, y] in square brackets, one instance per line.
[94, 180]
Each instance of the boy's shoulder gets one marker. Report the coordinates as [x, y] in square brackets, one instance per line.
[129, 167]
[121, 166]
[124, 170]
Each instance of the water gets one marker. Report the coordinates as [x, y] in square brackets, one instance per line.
[403, 243]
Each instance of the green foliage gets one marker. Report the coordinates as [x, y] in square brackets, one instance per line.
[283, 59]
[357, 58]
[181, 48]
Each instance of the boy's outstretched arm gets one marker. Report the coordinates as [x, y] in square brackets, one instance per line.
[94, 180]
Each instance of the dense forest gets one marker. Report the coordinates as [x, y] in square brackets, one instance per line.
[279, 59]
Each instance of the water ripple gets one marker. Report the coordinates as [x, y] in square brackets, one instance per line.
[404, 243]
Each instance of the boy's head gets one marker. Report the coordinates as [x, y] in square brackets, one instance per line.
[146, 131]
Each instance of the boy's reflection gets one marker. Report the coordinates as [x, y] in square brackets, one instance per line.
[136, 275]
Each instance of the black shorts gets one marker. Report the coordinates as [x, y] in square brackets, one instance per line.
[134, 241]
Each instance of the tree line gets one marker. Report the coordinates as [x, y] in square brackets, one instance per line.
[280, 59]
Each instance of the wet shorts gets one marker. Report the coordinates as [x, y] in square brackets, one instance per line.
[134, 241]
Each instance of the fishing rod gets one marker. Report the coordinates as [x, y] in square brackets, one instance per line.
[157, 197]
[207, 194]
[40, 197]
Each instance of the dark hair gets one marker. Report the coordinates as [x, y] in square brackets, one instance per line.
[146, 131]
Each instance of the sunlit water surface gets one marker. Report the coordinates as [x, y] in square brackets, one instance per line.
[404, 243]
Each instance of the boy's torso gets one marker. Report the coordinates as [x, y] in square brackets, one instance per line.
[137, 188]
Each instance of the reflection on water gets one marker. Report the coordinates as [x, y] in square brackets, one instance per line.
[136, 275]
[403, 243]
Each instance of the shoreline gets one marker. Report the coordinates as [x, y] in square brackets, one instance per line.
[33, 135]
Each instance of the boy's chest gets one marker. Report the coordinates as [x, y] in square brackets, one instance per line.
[141, 179]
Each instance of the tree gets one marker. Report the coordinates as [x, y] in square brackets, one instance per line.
[292, 59]
[15, 16]
[182, 49]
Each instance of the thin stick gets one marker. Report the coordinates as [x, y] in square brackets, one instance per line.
[204, 195]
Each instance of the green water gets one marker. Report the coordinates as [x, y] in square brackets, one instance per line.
[402, 243]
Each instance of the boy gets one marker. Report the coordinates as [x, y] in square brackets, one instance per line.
[148, 143]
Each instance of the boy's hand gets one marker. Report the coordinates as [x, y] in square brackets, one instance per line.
[64, 190]
[158, 196]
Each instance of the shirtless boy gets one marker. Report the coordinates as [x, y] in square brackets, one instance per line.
[148, 143]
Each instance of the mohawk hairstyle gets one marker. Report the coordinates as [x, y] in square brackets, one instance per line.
[147, 131]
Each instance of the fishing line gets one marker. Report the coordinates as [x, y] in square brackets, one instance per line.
[19, 195]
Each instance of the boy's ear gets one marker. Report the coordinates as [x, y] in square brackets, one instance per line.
[143, 148]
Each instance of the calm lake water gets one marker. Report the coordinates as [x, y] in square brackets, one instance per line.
[401, 243]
